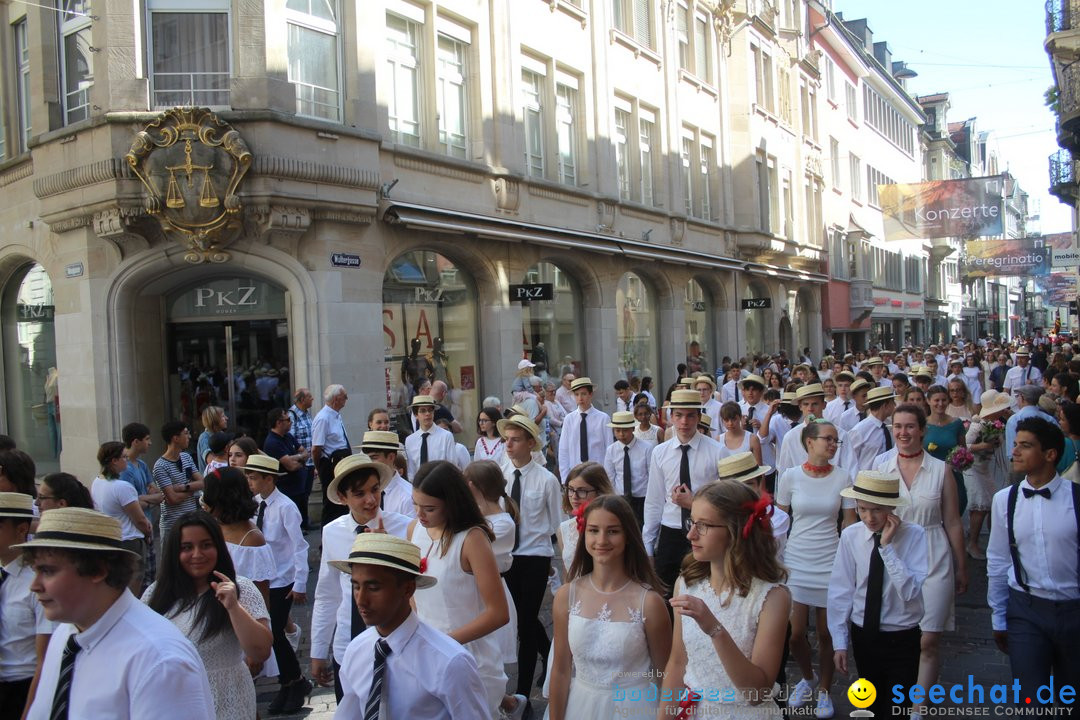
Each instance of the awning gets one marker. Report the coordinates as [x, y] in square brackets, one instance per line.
[785, 273]
[424, 217]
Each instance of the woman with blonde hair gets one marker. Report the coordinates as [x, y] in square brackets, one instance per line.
[214, 420]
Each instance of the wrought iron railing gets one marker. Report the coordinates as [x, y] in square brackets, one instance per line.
[1062, 15]
[1062, 169]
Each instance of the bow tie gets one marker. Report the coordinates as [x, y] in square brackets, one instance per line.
[1028, 492]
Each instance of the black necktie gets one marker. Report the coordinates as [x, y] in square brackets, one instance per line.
[423, 448]
[345, 437]
[259, 515]
[357, 624]
[888, 437]
[736, 391]
[583, 440]
[846, 404]
[684, 478]
[3, 576]
[62, 696]
[875, 585]
[515, 495]
[1028, 492]
[750, 414]
[862, 415]
[627, 486]
[378, 674]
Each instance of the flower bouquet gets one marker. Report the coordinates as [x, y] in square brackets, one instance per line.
[991, 430]
[960, 459]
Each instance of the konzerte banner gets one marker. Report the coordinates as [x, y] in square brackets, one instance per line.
[968, 208]
[998, 258]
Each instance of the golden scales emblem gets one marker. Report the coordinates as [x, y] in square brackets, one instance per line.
[190, 164]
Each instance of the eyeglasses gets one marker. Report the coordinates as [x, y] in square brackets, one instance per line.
[579, 493]
[701, 527]
[41, 497]
[829, 440]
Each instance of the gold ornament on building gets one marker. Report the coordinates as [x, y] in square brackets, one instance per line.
[191, 163]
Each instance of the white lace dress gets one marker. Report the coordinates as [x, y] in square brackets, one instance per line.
[704, 671]
[612, 671]
[503, 526]
[230, 681]
[568, 537]
[256, 563]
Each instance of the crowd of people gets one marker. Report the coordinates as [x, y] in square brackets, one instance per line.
[691, 545]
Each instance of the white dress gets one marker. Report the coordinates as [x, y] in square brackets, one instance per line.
[726, 451]
[230, 681]
[811, 546]
[489, 449]
[256, 563]
[649, 435]
[612, 670]
[568, 535]
[704, 671]
[986, 474]
[455, 601]
[503, 526]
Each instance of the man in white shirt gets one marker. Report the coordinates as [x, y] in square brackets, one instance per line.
[623, 396]
[1032, 565]
[329, 443]
[811, 399]
[110, 656]
[1023, 373]
[873, 435]
[729, 391]
[876, 366]
[279, 521]
[359, 484]
[585, 434]
[430, 442]
[754, 410]
[564, 395]
[853, 415]
[677, 469]
[836, 407]
[539, 498]
[401, 667]
[382, 446]
[710, 406]
[627, 462]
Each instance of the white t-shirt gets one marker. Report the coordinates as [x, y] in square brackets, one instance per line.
[110, 497]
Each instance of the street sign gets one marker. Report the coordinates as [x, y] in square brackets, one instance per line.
[344, 260]
[534, 291]
[756, 303]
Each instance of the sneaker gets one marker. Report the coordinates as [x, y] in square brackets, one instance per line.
[824, 709]
[802, 693]
[519, 709]
[294, 638]
[297, 697]
[554, 582]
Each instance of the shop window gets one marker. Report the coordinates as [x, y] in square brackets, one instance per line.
[636, 328]
[551, 330]
[699, 344]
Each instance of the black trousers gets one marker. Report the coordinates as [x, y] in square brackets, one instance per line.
[887, 659]
[671, 547]
[1042, 643]
[637, 504]
[527, 579]
[330, 510]
[307, 475]
[339, 691]
[13, 697]
[280, 605]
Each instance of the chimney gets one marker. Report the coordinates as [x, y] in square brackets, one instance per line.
[883, 55]
[861, 29]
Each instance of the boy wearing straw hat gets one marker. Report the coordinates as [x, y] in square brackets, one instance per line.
[359, 483]
[627, 462]
[851, 417]
[401, 667]
[843, 401]
[876, 583]
[111, 655]
[24, 629]
[430, 442]
[383, 447]
[873, 435]
[585, 435]
[710, 406]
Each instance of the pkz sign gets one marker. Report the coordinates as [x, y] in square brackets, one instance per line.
[534, 291]
[756, 303]
[237, 297]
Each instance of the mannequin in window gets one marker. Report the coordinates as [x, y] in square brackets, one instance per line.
[52, 403]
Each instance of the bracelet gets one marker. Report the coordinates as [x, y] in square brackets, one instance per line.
[715, 629]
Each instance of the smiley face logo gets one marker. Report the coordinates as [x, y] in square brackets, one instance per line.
[862, 693]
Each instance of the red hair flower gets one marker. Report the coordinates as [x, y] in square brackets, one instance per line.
[579, 514]
[760, 513]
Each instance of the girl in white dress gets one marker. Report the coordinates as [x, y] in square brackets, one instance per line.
[468, 603]
[198, 589]
[987, 472]
[810, 493]
[735, 439]
[489, 446]
[612, 630]
[488, 486]
[645, 430]
[731, 612]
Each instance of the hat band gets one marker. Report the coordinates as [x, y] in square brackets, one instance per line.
[392, 559]
[77, 537]
[379, 446]
[876, 493]
[741, 473]
[16, 511]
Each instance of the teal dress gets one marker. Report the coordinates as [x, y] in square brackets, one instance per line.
[946, 437]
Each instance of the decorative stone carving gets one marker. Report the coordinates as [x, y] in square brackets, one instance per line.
[678, 231]
[507, 194]
[115, 225]
[279, 225]
[191, 163]
[605, 216]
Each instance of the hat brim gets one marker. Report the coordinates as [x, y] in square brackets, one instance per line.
[624, 426]
[386, 474]
[345, 566]
[501, 426]
[27, 516]
[59, 544]
[761, 470]
[856, 494]
[264, 471]
[992, 410]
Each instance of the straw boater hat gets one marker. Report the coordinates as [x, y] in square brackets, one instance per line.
[752, 379]
[72, 528]
[742, 467]
[787, 398]
[422, 401]
[388, 551]
[809, 391]
[380, 440]
[686, 382]
[581, 382]
[519, 421]
[1023, 351]
[705, 378]
[263, 464]
[876, 487]
[17, 505]
[874, 361]
[353, 463]
[844, 375]
[858, 385]
[878, 395]
[690, 399]
[622, 419]
[924, 372]
[994, 402]
[705, 422]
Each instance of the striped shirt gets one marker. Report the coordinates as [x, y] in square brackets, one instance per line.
[174, 472]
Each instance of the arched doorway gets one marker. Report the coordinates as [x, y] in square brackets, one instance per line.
[755, 318]
[785, 337]
[551, 334]
[31, 380]
[636, 328]
[697, 305]
[429, 334]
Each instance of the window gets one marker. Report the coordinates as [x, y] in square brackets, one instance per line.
[3, 132]
[189, 54]
[623, 120]
[808, 103]
[705, 147]
[646, 135]
[769, 194]
[839, 256]
[698, 165]
[551, 106]
[888, 121]
[313, 57]
[834, 159]
[914, 271]
[692, 32]
[634, 137]
[22, 77]
[634, 18]
[874, 177]
[855, 177]
[812, 198]
[830, 80]
[688, 174]
[76, 62]
[763, 79]
[566, 93]
[852, 102]
[532, 116]
[682, 34]
[403, 74]
[451, 99]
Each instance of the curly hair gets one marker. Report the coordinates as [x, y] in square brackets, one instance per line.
[228, 497]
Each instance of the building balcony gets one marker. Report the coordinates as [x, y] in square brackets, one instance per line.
[861, 299]
[1063, 177]
[1062, 16]
[1068, 83]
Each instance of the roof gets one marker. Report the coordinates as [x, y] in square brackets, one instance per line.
[936, 97]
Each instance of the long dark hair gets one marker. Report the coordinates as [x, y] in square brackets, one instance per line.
[174, 589]
[227, 496]
[636, 561]
[488, 478]
[445, 482]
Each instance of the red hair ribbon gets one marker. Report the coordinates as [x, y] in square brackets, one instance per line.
[580, 515]
[760, 512]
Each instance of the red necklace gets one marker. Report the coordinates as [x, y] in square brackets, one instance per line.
[912, 455]
[816, 468]
[484, 444]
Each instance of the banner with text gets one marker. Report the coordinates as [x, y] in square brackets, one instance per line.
[942, 208]
[1057, 289]
[1001, 258]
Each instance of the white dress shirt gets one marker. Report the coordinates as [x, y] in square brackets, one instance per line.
[768, 441]
[906, 565]
[664, 468]
[850, 417]
[712, 409]
[835, 408]
[1046, 537]
[461, 456]
[281, 529]
[599, 435]
[639, 465]
[792, 453]
[331, 610]
[397, 497]
[540, 508]
[440, 446]
[133, 664]
[867, 441]
[1018, 377]
[328, 431]
[781, 527]
[566, 398]
[22, 619]
[728, 394]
